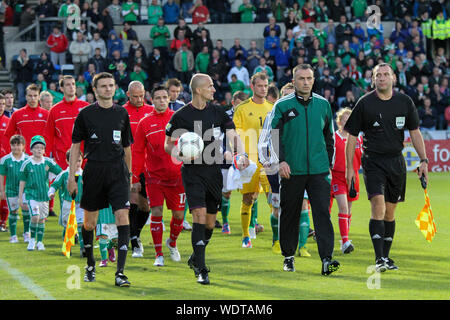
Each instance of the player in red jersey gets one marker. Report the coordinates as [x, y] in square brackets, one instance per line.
[339, 186]
[139, 208]
[162, 174]
[4, 149]
[28, 121]
[58, 131]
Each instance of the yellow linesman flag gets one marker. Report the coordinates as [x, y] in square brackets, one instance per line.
[71, 230]
[425, 220]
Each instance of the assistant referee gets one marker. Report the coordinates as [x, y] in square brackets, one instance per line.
[383, 115]
[105, 129]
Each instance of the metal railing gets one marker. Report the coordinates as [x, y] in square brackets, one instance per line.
[36, 25]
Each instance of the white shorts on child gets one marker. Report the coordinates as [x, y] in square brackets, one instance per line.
[38, 208]
[65, 212]
[107, 229]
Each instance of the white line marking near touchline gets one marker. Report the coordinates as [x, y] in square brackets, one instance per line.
[26, 282]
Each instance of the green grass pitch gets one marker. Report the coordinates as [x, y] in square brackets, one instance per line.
[239, 274]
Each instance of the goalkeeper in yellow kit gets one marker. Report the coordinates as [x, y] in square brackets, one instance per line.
[248, 119]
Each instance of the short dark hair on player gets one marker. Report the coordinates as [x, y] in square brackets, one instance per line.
[303, 66]
[7, 91]
[273, 91]
[101, 75]
[383, 64]
[159, 88]
[32, 87]
[66, 77]
[241, 95]
[17, 139]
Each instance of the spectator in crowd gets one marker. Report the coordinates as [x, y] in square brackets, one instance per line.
[291, 21]
[94, 13]
[114, 61]
[199, 43]
[40, 82]
[121, 76]
[45, 100]
[114, 43]
[308, 12]
[115, 12]
[80, 50]
[359, 32]
[158, 70]
[104, 33]
[26, 19]
[136, 45]
[282, 58]
[175, 88]
[350, 100]
[263, 67]
[180, 40]
[272, 26]
[171, 12]
[344, 30]
[241, 73]
[186, 6]
[235, 14]
[82, 83]
[154, 12]
[130, 12]
[58, 44]
[128, 33]
[263, 10]
[45, 66]
[217, 65]
[321, 11]
[344, 83]
[359, 8]
[222, 50]
[440, 102]
[278, 9]
[98, 42]
[237, 52]
[335, 10]
[83, 29]
[300, 30]
[270, 60]
[138, 58]
[447, 116]
[272, 43]
[22, 69]
[106, 19]
[139, 75]
[247, 9]
[159, 34]
[199, 12]
[197, 33]
[236, 84]
[202, 60]
[427, 115]
[183, 26]
[45, 10]
[184, 63]
[254, 54]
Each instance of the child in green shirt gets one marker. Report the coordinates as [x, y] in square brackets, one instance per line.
[10, 169]
[34, 175]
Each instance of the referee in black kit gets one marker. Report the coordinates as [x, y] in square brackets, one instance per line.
[105, 129]
[202, 179]
[383, 115]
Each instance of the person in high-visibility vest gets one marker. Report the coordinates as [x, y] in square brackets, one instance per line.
[448, 28]
[426, 25]
[439, 27]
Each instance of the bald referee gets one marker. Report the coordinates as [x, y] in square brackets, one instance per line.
[105, 129]
[383, 115]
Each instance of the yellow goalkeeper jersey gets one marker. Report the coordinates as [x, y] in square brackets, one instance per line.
[249, 119]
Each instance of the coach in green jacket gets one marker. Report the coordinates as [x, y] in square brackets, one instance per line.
[306, 151]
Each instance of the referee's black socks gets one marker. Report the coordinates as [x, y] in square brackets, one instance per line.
[88, 238]
[376, 230]
[208, 235]
[133, 225]
[389, 230]
[142, 217]
[122, 245]
[198, 244]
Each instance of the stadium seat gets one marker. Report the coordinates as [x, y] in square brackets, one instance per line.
[67, 69]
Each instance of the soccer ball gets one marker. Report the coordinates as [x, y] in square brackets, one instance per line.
[190, 146]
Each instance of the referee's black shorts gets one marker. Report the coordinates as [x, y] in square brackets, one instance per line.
[203, 186]
[104, 184]
[385, 175]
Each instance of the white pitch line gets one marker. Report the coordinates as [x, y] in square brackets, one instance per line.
[26, 282]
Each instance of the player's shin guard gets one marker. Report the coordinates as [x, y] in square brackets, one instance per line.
[225, 209]
[26, 220]
[274, 224]
[33, 229]
[304, 228]
[343, 226]
[156, 227]
[254, 214]
[13, 223]
[133, 225]
[376, 230]
[176, 226]
[198, 245]
[389, 230]
[88, 237]
[245, 219]
[122, 243]
[40, 232]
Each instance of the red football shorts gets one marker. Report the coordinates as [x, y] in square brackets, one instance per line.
[173, 193]
[339, 185]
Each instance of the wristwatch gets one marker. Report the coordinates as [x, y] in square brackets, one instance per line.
[424, 160]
